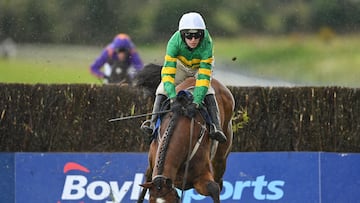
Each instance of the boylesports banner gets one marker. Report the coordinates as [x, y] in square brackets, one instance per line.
[115, 177]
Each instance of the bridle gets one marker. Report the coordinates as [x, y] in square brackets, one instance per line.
[158, 180]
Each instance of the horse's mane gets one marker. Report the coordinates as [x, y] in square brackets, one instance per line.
[148, 78]
[183, 99]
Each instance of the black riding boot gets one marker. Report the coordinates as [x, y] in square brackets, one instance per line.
[215, 129]
[159, 99]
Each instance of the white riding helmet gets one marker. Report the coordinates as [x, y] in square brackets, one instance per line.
[191, 21]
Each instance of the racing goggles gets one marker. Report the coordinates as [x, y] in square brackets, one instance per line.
[190, 35]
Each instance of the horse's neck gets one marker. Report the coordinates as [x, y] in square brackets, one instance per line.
[171, 155]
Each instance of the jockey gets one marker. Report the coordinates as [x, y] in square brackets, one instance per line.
[117, 58]
[189, 53]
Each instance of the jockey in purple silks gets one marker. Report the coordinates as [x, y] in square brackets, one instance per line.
[119, 59]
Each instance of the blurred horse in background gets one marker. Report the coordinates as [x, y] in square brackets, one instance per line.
[183, 155]
[148, 79]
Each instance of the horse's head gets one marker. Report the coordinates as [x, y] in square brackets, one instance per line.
[161, 189]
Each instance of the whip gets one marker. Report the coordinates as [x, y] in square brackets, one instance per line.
[137, 116]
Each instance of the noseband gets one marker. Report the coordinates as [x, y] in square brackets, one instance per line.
[162, 182]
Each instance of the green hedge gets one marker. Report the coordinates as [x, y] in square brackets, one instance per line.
[299, 119]
[74, 118]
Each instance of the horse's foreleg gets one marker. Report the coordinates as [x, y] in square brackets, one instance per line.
[214, 191]
[208, 188]
[219, 166]
[219, 161]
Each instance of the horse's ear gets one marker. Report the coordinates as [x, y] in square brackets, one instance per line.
[147, 185]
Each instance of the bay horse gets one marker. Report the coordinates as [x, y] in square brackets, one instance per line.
[183, 155]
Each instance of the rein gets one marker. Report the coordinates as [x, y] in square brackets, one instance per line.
[202, 133]
[193, 151]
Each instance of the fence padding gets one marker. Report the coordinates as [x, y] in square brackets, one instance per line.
[74, 118]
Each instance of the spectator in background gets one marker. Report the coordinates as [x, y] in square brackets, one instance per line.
[120, 60]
